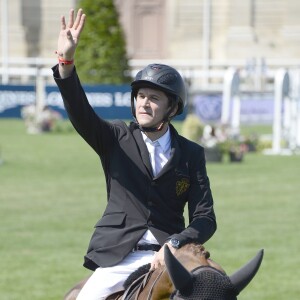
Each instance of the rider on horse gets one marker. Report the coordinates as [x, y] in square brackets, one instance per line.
[151, 171]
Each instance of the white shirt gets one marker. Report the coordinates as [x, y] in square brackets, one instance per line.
[165, 144]
[165, 148]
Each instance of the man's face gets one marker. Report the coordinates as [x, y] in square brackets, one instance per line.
[151, 107]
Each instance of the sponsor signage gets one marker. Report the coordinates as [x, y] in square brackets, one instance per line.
[113, 102]
[255, 108]
[108, 101]
[13, 97]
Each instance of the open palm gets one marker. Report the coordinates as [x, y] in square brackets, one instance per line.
[69, 34]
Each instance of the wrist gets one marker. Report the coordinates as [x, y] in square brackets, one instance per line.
[174, 243]
[64, 62]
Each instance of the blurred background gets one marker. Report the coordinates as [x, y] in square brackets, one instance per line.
[241, 64]
[240, 59]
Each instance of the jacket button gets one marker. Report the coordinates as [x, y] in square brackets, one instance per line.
[150, 203]
[153, 183]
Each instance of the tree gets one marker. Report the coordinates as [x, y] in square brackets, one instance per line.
[101, 54]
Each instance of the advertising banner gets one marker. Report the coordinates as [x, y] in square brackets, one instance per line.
[108, 101]
[113, 102]
[13, 98]
[256, 108]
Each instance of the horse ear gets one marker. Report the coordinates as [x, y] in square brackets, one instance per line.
[180, 276]
[241, 278]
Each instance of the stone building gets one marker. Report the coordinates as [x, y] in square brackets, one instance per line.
[196, 36]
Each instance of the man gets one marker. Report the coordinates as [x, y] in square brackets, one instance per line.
[151, 171]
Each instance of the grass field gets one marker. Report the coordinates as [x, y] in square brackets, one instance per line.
[52, 192]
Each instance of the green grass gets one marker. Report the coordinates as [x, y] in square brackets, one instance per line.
[52, 191]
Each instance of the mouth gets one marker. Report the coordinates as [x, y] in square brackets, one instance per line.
[144, 114]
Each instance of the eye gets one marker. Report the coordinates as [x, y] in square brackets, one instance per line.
[154, 98]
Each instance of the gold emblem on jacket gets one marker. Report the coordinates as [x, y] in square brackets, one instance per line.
[182, 186]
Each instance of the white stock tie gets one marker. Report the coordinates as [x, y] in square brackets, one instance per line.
[158, 160]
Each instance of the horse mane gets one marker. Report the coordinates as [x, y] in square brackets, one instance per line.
[195, 249]
[136, 274]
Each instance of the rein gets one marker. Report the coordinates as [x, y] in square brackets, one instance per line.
[143, 288]
[134, 291]
[152, 286]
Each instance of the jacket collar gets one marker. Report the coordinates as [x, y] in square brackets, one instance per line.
[175, 150]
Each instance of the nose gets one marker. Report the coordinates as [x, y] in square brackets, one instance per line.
[144, 102]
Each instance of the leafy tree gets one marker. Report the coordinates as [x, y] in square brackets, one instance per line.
[101, 54]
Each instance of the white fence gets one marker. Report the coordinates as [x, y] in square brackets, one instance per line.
[231, 81]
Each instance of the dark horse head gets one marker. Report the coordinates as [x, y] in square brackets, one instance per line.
[207, 281]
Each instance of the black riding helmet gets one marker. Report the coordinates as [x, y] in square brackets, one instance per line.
[163, 78]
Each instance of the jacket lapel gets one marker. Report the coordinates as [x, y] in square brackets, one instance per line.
[175, 153]
[136, 132]
[173, 161]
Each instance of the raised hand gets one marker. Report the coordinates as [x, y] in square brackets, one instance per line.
[69, 35]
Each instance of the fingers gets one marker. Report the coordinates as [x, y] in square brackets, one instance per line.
[157, 264]
[81, 25]
[78, 18]
[154, 266]
[158, 260]
[71, 18]
[63, 23]
[82, 22]
[78, 24]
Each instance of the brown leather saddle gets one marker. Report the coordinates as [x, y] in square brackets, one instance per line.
[135, 288]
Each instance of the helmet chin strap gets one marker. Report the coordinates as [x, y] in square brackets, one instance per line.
[151, 129]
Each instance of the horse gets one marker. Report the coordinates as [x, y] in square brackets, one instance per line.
[209, 281]
[180, 277]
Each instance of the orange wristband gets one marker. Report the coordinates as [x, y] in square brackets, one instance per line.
[65, 62]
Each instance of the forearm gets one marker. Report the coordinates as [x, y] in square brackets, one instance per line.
[200, 231]
[80, 112]
[65, 70]
[97, 132]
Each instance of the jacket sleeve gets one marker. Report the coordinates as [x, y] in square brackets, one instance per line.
[202, 219]
[98, 133]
